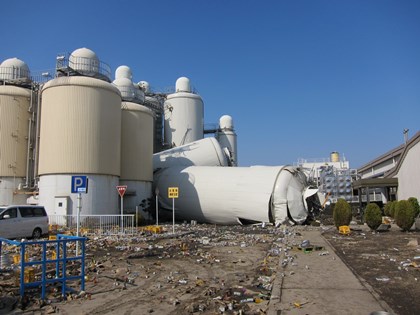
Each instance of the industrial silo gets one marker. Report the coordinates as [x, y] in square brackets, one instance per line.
[136, 144]
[184, 115]
[80, 134]
[232, 195]
[335, 156]
[227, 138]
[15, 121]
[204, 152]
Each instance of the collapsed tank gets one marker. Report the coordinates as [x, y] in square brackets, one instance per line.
[237, 195]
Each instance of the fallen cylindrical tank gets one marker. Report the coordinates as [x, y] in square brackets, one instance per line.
[204, 152]
[232, 195]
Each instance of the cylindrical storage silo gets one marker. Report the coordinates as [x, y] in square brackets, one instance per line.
[204, 152]
[232, 195]
[184, 115]
[14, 126]
[227, 138]
[136, 155]
[80, 134]
[335, 157]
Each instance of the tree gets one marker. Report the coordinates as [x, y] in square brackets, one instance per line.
[342, 213]
[404, 214]
[373, 216]
[415, 203]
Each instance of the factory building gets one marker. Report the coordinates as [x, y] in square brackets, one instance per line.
[393, 175]
[79, 125]
[333, 176]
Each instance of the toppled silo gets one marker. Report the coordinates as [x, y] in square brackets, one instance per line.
[204, 152]
[232, 195]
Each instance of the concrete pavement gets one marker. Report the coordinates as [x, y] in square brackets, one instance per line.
[318, 281]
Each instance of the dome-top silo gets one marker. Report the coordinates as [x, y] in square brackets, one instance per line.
[227, 138]
[15, 119]
[80, 134]
[184, 115]
[136, 144]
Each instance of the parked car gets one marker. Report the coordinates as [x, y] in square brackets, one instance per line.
[23, 221]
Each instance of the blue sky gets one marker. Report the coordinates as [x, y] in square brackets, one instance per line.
[300, 78]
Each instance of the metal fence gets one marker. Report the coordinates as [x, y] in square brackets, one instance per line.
[100, 224]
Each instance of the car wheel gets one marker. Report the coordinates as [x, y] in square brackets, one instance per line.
[37, 233]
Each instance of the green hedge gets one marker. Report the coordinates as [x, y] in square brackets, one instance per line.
[342, 213]
[404, 214]
[415, 203]
[373, 216]
[390, 208]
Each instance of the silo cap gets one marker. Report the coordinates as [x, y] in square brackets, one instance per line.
[226, 122]
[123, 72]
[84, 53]
[182, 85]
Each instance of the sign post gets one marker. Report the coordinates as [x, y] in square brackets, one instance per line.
[173, 193]
[78, 185]
[157, 205]
[121, 191]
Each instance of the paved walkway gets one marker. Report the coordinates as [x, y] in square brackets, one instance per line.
[318, 281]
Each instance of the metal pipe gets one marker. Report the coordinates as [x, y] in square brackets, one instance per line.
[38, 117]
[28, 152]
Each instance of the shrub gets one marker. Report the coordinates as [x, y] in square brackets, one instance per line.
[415, 203]
[389, 208]
[342, 213]
[404, 214]
[392, 208]
[373, 216]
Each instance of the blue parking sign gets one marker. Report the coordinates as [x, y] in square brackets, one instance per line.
[79, 184]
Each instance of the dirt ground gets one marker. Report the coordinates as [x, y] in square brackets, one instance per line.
[388, 261]
[207, 269]
[201, 269]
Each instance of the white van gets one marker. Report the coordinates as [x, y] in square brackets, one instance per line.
[23, 221]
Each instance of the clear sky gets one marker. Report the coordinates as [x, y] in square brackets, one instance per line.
[300, 78]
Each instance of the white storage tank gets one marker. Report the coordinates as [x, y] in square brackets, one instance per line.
[227, 138]
[136, 144]
[80, 134]
[14, 128]
[136, 155]
[184, 115]
[204, 152]
[232, 195]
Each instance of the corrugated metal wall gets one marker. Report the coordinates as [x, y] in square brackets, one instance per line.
[80, 127]
[136, 142]
[14, 119]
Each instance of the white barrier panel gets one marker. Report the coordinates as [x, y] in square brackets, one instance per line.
[100, 224]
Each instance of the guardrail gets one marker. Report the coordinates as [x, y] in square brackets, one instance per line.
[100, 224]
[62, 257]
